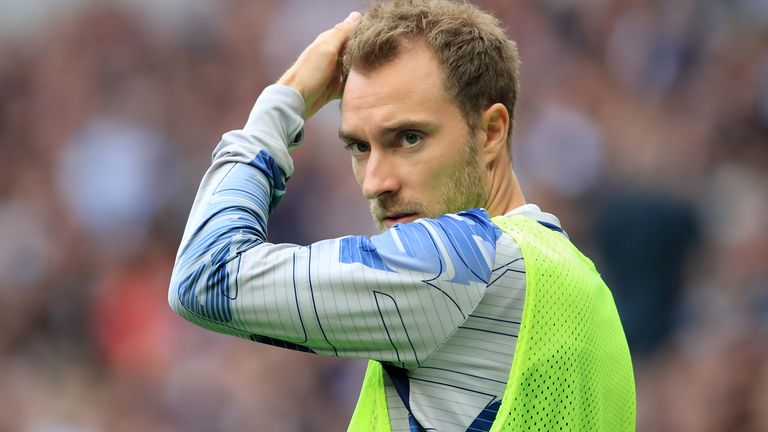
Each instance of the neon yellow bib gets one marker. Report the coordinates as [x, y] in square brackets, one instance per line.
[571, 369]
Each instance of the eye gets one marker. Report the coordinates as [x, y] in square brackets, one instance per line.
[358, 148]
[410, 139]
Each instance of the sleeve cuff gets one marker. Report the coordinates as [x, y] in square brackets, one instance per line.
[291, 110]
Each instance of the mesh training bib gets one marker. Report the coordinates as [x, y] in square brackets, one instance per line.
[571, 370]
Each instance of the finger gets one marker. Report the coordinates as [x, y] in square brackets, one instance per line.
[344, 28]
[339, 33]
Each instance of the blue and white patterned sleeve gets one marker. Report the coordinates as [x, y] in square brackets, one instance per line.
[394, 297]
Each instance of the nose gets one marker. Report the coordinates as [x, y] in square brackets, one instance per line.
[380, 176]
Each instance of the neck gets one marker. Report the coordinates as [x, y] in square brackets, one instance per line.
[504, 193]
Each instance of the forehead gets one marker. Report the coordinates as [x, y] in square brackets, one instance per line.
[411, 85]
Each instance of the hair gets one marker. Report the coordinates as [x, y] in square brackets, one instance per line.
[480, 64]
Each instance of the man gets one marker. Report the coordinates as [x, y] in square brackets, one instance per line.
[471, 323]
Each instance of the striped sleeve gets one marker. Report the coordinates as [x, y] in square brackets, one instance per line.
[394, 297]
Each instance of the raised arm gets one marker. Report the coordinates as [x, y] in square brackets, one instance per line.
[393, 297]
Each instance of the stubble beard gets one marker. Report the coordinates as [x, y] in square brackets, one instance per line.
[465, 189]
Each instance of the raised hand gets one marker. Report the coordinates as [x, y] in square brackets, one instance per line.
[316, 75]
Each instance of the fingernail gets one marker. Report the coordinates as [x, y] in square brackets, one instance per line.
[354, 17]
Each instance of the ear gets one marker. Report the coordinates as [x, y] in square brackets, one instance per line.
[494, 125]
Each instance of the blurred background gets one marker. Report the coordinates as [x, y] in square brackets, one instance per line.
[642, 124]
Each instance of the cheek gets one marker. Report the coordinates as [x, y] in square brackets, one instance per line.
[426, 179]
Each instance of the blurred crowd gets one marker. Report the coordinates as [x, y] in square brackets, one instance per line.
[642, 124]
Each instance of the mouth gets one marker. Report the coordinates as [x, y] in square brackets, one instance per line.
[399, 218]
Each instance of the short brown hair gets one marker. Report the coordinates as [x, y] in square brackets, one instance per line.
[480, 64]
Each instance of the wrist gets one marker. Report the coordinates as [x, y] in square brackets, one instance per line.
[288, 80]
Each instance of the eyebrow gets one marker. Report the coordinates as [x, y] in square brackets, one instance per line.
[347, 137]
[422, 125]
